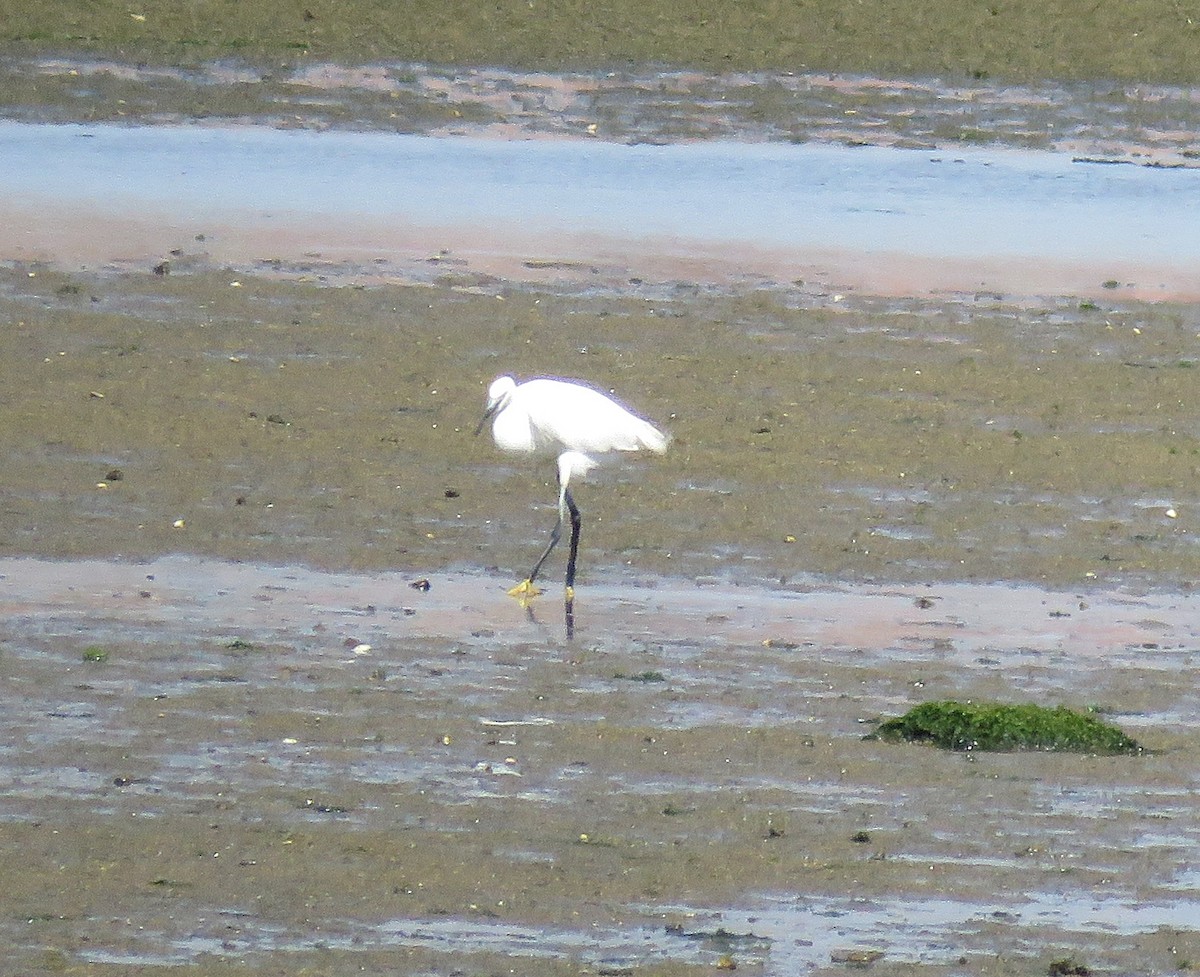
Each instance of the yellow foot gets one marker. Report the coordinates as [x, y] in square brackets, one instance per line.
[525, 591]
[570, 593]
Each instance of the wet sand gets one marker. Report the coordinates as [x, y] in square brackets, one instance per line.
[236, 737]
[247, 767]
[366, 252]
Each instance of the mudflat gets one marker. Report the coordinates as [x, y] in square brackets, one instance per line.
[268, 709]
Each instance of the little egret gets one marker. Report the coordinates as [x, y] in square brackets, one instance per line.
[577, 423]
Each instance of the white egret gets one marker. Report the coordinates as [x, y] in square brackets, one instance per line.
[570, 419]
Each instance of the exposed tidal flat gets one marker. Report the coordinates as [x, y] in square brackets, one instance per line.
[267, 708]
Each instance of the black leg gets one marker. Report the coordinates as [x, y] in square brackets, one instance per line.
[555, 533]
[575, 522]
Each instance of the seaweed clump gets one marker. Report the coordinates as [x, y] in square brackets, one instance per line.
[1005, 728]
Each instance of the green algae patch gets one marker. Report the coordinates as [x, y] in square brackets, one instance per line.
[1005, 728]
[1147, 41]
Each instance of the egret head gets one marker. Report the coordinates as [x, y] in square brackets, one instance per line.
[499, 394]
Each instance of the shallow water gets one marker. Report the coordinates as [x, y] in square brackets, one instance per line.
[768, 210]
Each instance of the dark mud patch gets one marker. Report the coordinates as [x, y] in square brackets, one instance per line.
[276, 766]
[1105, 122]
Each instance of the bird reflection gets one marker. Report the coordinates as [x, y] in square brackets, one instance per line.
[568, 615]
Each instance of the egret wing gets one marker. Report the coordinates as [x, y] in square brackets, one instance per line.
[571, 416]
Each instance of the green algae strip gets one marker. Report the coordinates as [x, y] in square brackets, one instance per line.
[1005, 728]
[1152, 41]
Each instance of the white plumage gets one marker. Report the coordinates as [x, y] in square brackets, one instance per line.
[574, 422]
[553, 416]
